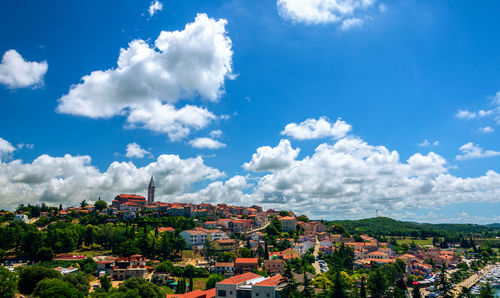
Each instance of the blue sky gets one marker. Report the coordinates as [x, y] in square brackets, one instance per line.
[418, 78]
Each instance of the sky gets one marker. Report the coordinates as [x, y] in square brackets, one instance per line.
[336, 109]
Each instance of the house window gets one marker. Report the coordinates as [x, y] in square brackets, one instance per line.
[222, 293]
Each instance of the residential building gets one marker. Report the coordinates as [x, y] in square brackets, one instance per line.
[274, 266]
[242, 265]
[224, 268]
[250, 285]
[21, 217]
[225, 245]
[194, 238]
[288, 223]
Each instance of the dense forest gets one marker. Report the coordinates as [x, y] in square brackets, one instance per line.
[385, 226]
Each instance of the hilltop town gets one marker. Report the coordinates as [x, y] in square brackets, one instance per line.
[205, 250]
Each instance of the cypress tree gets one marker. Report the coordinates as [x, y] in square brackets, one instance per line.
[308, 291]
[416, 292]
[362, 291]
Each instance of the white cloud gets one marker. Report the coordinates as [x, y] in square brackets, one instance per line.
[270, 159]
[149, 80]
[465, 114]
[27, 146]
[486, 129]
[70, 179]
[348, 178]
[15, 72]
[474, 151]
[155, 7]
[317, 129]
[206, 143]
[351, 23]
[6, 148]
[326, 11]
[165, 118]
[216, 133]
[134, 150]
[229, 192]
[483, 113]
[351, 178]
[426, 143]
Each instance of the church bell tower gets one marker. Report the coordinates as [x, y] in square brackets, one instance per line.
[151, 191]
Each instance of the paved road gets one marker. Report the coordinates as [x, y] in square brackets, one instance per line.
[316, 263]
[469, 282]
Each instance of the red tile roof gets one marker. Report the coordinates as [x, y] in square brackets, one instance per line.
[271, 282]
[239, 278]
[246, 261]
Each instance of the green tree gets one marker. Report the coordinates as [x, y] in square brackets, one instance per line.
[213, 279]
[8, 283]
[416, 292]
[45, 254]
[362, 290]
[308, 291]
[54, 287]
[465, 293]
[290, 290]
[139, 287]
[165, 266]
[79, 280]
[486, 291]
[83, 204]
[105, 282]
[339, 287]
[377, 283]
[31, 275]
[100, 205]
[444, 285]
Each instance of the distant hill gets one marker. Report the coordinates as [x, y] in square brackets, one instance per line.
[391, 227]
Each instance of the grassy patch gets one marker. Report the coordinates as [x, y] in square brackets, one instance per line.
[199, 283]
[166, 290]
[418, 241]
[92, 253]
[188, 254]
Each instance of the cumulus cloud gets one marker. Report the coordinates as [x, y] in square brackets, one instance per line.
[474, 151]
[134, 150]
[426, 143]
[270, 159]
[6, 148]
[351, 23]
[70, 179]
[15, 72]
[149, 80]
[486, 129]
[216, 133]
[492, 111]
[155, 7]
[229, 192]
[206, 143]
[317, 129]
[352, 178]
[466, 114]
[348, 13]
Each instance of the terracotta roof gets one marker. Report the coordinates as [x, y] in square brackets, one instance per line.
[128, 196]
[166, 229]
[288, 218]
[246, 260]
[224, 264]
[239, 278]
[271, 281]
[195, 294]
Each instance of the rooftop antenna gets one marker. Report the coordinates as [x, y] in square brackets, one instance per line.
[376, 212]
